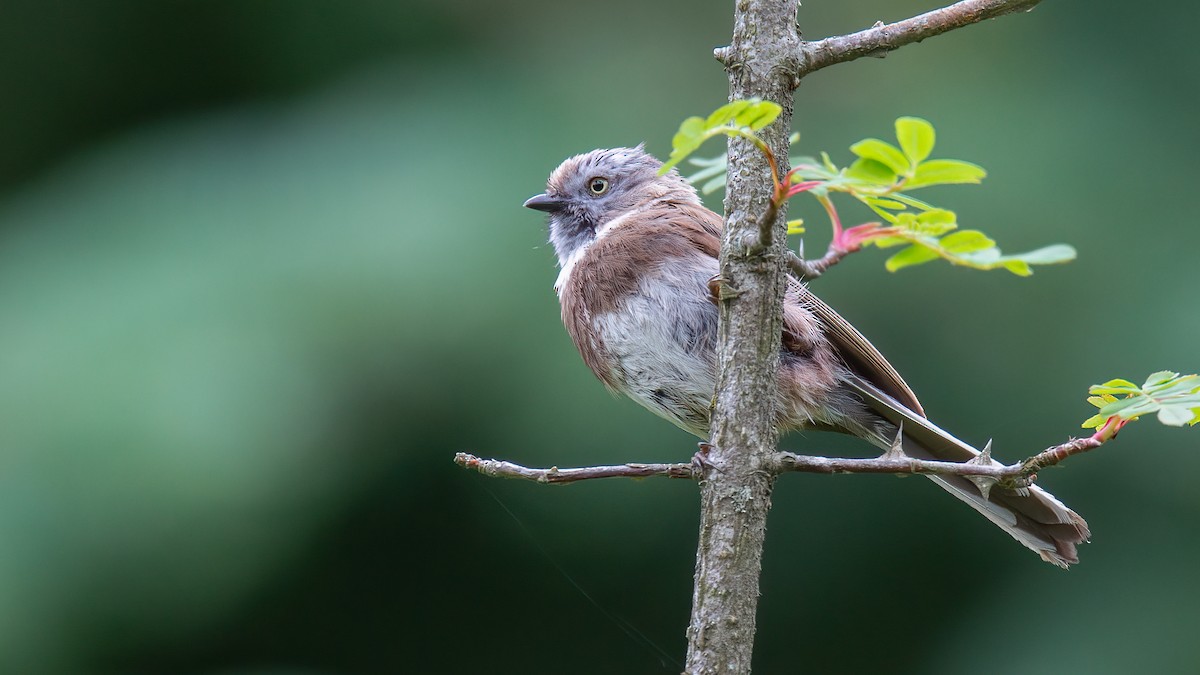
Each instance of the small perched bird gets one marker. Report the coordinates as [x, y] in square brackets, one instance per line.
[637, 251]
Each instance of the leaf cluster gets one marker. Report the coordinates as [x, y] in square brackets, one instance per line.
[881, 177]
[1174, 398]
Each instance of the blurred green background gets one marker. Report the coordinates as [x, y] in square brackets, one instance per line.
[264, 270]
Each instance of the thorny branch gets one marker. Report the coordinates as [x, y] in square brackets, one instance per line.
[1016, 475]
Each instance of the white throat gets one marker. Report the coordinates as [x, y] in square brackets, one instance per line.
[568, 265]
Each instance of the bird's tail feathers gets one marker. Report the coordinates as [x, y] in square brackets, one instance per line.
[1032, 516]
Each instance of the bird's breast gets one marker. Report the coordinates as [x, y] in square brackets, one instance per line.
[647, 328]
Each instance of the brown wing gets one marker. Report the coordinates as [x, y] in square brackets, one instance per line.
[701, 226]
[857, 351]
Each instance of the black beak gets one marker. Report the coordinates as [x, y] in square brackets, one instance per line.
[544, 202]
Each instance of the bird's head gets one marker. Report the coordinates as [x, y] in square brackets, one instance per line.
[589, 190]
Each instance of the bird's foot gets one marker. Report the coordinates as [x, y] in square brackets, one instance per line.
[700, 463]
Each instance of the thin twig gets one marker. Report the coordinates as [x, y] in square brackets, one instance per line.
[1058, 453]
[807, 270]
[501, 469]
[881, 39]
[1017, 475]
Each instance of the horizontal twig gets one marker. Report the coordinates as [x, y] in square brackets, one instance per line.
[1017, 475]
[883, 38]
[501, 469]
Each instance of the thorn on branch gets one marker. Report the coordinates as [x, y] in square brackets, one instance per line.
[896, 452]
[1011, 476]
[984, 458]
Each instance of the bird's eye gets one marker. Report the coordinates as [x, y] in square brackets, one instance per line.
[598, 185]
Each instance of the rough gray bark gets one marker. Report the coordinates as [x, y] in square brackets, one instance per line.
[735, 493]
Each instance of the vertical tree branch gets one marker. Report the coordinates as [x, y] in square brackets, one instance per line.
[736, 490]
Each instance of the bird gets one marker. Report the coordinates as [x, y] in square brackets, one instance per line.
[636, 252]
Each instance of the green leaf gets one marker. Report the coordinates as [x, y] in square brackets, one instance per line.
[936, 222]
[795, 226]
[885, 153]
[886, 215]
[1173, 416]
[966, 241]
[751, 113]
[726, 113]
[689, 137]
[907, 257]
[1049, 255]
[691, 133]
[935, 216]
[1174, 387]
[708, 174]
[758, 114]
[1114, 384]
[713, 185]
[705, 173]
[871, 171]
[945, 171]
[885, 203]
[1018, 267]
[1188, 401]
[1161, 377]
[1094, 421]
[915, 203]
[888, 242]
[916, 138]
[1131, 407]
